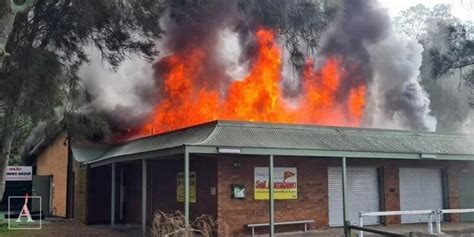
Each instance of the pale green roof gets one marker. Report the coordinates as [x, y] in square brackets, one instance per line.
[291, 138]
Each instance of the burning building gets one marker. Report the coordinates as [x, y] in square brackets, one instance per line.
[226, 167]
[183, 152]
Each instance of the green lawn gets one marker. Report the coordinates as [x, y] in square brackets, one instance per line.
[4, 225]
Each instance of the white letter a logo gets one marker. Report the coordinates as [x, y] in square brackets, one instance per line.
[25, 212]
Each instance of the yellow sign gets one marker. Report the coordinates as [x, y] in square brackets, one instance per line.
[284, 183]
[180, 187]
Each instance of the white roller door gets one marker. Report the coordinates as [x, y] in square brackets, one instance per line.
[363, 194]
[420, 189]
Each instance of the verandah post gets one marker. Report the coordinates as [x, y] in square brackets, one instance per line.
[271, 197]
[186, 188]
[346, 220]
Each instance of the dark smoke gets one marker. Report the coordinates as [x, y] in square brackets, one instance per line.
[201, 29]
[360, 24]
[362, 37]
[388, 64]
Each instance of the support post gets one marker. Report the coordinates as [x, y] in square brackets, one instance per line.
[121, 194]
[271, 197]
[186, 188]
[438, 221]
[144, 197]
[112, 202]
[430, 223]
[346, 220]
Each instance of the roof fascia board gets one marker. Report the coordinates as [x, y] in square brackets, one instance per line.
[138, 156]
[455, 157]
[326, 153]
[200, 149]
[305, 152]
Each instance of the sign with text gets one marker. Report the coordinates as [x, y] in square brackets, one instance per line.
[180, 187]
[19, 173]
[284, 183]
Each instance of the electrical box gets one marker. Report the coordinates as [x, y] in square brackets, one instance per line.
[238, 191]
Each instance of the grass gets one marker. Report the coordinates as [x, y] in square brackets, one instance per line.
[4, 225]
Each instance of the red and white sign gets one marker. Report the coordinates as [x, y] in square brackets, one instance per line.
[19, 173]
[284, 183]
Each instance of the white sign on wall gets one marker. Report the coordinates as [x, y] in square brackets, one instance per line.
[19, 173]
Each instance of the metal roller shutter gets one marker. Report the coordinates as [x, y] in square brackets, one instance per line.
[420, 189]
[363, 194]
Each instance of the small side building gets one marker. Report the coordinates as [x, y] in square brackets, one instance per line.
[52, 158]
[60, 178]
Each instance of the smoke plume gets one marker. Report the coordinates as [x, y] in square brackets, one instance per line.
[370, 53]
[388, 63]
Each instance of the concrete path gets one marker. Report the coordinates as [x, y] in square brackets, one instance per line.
[417, 230]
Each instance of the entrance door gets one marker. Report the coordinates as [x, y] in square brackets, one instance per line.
[420, 189]
[42, 187]
[362, 192]
[466, 193]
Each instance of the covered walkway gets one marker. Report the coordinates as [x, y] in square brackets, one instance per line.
[220, 138]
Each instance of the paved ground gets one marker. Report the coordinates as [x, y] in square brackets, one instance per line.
[68, 228]
[418, 230]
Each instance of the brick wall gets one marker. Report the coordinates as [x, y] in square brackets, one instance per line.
[53, 161]
[391, 189]
[453, 191]
[312, 202]
[80, 192]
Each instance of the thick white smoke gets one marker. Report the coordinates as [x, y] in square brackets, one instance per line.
[229, 52]
[396, 98]
[127, 94]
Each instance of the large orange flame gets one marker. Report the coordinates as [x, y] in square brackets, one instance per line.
[187, 101]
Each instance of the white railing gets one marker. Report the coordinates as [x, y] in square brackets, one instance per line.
[430, 214]
[440, 212]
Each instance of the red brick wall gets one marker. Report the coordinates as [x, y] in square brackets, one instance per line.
[391, 189]
[80, 192]
[312, 202]
[53, 161]
[453, 194]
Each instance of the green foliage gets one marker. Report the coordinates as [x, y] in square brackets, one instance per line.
[454, 53]
[120, 29]
[39, 81]
[47, 48]
[301, 23]
[448, 44]
[419, 21]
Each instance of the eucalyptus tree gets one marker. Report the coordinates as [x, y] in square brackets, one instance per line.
[46, 46]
